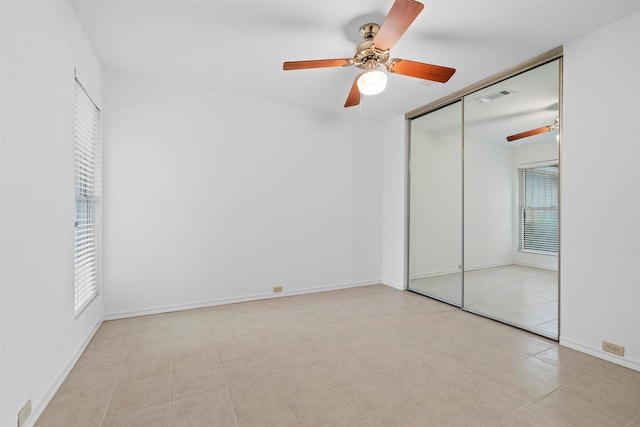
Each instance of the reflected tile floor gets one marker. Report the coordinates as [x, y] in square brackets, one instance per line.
[523, 296]
[367, 356]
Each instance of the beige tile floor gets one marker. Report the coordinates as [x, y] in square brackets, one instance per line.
[369, 356]
[522, 296]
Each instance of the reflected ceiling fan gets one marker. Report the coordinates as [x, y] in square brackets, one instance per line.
[373, 52]
[536, 131]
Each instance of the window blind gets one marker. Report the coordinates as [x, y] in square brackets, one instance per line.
[538, 206]
[87, 194]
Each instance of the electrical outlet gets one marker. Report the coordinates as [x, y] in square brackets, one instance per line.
[613, 348]
[24, 413]
[277, 289]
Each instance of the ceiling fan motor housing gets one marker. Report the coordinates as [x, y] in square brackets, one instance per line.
[367, 56]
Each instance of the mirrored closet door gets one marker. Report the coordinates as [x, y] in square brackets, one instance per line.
[484, 177]
[511, 177]
[435, 217]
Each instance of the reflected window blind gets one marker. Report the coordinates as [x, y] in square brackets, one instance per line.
[87, 193]
[538, 206]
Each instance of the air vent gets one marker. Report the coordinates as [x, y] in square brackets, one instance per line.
[495, 95]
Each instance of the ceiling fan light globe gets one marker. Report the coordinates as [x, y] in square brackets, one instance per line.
[372, 82]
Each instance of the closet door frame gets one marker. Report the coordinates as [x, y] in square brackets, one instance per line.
[555, 54]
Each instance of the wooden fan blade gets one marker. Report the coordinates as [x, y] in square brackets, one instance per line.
[401, 15]
[317, 63]
[530, 133]
[436, 73]
[354, 95]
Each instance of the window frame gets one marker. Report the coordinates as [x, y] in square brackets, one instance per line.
[522, 208]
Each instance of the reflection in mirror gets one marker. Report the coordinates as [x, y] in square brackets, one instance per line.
[435, 213]
[511, 200]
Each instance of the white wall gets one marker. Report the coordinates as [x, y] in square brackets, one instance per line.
[394, 176]
[212, 198]
[542, 151]
[491, 181]
[600, 189]
[435, 217]
[488, 205]
[41, 44]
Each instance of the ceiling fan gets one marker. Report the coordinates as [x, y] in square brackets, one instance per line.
[373, 52]
[536, 131]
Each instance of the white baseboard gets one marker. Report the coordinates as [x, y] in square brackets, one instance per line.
[468, 268]
[393, 285]
[484, 267]
[541, 267]
[481, 267]
[222, 301]
[433, 274]
[40, 407]
[596, 352]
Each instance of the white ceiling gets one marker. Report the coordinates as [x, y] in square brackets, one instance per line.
[238, 46]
